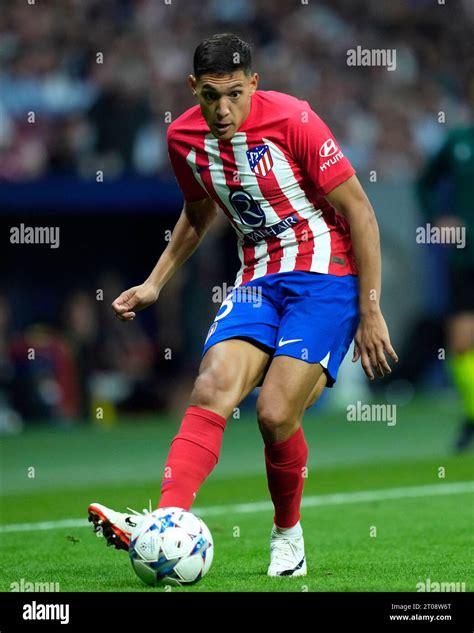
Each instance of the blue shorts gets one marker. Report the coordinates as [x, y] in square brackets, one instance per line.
[309, 316]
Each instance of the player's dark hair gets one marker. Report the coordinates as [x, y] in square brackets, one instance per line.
[222, 54]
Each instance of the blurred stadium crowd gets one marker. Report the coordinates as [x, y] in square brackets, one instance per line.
[103, 78]
[85, 361]
[89, 68]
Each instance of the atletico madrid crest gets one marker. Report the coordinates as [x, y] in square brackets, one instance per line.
[260, 160]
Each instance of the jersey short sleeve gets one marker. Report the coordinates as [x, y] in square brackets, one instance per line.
[191, 189]
[314, 147]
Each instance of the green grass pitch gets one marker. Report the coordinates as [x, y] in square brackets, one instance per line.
[373, 543]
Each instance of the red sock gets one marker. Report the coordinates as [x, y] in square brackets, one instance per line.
[285, 462]
[193, 454]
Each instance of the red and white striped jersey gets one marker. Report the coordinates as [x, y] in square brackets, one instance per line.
[270, 180]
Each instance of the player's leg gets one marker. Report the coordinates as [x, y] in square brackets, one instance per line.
[229, 371]
[319, 320]
[289, 386]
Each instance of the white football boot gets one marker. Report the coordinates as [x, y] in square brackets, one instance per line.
[116, 527]
[287, 556]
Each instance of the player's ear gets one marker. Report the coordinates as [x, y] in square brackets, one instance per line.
[192, 82]
[254, 83]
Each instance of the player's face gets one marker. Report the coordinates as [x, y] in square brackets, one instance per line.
[224, 100]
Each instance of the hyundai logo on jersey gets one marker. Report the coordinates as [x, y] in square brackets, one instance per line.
[260, 160]
[248, 209]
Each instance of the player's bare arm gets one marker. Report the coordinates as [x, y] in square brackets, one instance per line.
[372, 340]
[190, 229]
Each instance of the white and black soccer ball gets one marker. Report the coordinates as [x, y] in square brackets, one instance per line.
[171, 547]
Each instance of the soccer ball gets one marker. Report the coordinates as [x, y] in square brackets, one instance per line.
[171, 547]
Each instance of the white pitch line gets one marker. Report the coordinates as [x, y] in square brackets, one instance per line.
[341, 498]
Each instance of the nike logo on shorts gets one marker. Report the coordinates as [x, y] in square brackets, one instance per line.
[281, 342]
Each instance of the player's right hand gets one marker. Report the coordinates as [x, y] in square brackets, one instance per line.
[130, 301]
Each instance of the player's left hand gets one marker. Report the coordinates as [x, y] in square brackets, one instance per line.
[372, 342]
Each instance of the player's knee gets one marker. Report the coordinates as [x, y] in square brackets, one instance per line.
[213, 388]
[273, 416]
